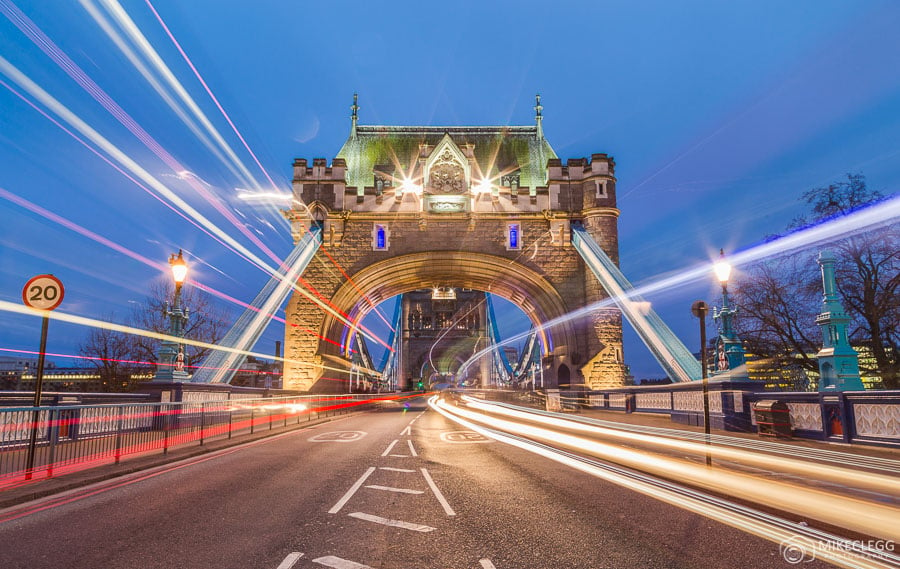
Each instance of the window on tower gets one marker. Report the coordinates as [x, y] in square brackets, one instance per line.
[513, 236]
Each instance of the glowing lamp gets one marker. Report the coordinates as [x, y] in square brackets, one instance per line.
[483, 187]
[722, 268]
[179, 267]
[410, 186]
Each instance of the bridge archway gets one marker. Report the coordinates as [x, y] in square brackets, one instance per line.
[536, 297]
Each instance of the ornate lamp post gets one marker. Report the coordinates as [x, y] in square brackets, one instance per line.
[729, 350]
[170, 363]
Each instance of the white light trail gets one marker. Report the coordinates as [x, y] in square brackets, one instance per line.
[845, 476]
[864, 516]
[757, 523]
[69, 117]
[127, 24]
[16, 308]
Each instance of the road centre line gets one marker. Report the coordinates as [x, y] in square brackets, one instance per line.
[338, 563]
[437, 493]
[392, 523]
[396, 469]
[290, 560]
[411, 449]
[337, 507]
[392, 489]
[389, 448]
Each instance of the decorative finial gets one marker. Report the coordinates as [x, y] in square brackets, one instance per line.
[354, 116]
[538, 117]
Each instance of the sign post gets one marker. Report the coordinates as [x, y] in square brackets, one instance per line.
[44, 293]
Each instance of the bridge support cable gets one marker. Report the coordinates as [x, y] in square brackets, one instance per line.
[390, 362]
[500, 362]
[220, 366]
[678, 362]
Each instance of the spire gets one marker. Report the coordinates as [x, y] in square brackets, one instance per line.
[354, 116]
[538, 117]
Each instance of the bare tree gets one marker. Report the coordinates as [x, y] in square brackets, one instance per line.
[112, 354]
[207, 322]
[780, 297]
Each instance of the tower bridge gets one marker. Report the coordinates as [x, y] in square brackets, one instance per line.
[482, 208]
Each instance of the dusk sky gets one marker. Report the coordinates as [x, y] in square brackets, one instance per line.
[719, 115]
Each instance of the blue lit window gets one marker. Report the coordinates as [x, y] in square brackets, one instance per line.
[513, 236]
[379, 238]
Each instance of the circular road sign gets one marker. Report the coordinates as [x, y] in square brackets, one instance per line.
[43, 292]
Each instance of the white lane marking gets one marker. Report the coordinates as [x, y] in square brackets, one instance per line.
[337, 507]
[486, 564]
[437, 493]
[406, 431]
[396, 469]
[412, 451]
[389, 448]
[399, 455]
[338, 563]
[392, 489]
[392, 523]
[290, 560]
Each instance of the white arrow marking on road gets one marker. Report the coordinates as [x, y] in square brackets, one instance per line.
[392, 523]
[290, 560]
[406, 431]
[437, 493]
[392, 489]
[396, 469]
[486, 563]
[389, 448]
[338, 563]
[411, 449]
[337, 507]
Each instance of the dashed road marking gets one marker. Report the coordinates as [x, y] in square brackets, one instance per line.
[337, 507]
[290, 560]
[437, 493]
[389, 448]
[393, 523]
[392, 489]
[338, 563]
[411, 449]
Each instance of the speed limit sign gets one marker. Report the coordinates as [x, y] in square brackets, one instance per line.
[43, 292]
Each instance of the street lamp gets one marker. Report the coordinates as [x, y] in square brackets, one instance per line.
[729, 350]
[170, 363]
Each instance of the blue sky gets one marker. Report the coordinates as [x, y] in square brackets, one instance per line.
[720, 115]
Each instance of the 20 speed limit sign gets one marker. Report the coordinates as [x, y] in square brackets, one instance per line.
[43, 292]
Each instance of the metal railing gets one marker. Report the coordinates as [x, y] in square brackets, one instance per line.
[73, 438]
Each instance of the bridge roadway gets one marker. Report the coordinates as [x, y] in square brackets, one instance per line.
[396, 488]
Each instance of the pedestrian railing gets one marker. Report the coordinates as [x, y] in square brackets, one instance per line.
[44, 442]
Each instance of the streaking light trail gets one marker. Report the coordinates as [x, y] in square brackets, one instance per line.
[83, 321]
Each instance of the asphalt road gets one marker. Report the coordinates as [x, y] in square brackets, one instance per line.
[400, 488]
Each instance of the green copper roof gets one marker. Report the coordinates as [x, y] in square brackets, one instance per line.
[500, 148]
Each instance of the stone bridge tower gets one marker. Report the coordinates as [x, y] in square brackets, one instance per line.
[486, 208]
